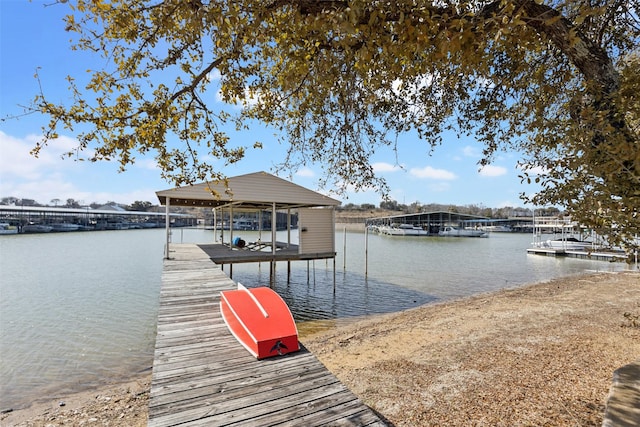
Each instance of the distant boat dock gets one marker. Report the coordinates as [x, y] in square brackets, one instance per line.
[434, 223]
[562, 237]
[203, 376]
[581, 254]
[45, 219]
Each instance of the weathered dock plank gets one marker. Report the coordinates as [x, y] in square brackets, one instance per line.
[203, 376]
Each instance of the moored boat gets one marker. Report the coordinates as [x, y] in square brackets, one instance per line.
[6, 228]
[403, 230]
[260, 320]
[496, 229]
[36, 228]
[412, 230]
[64, 226]
[461, 232]
[568, 243]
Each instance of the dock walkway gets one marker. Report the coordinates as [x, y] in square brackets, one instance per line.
[203, 376]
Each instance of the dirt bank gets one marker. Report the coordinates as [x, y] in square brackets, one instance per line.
[538, 355]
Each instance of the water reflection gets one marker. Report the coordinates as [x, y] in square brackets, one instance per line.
[315, 299]
[403, 273]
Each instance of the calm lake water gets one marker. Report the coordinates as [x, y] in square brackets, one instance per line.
[78, 310]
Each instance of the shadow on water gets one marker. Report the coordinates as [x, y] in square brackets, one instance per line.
[310, 294]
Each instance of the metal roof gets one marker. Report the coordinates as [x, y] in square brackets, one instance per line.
[258, 190]
[6, 210]
[435, 216]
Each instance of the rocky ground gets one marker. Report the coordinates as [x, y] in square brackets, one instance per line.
[537, 355]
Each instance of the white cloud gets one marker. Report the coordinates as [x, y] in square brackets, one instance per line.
[533, 170]
[16, 161]
[305, 173]
[470, 151]
[409, 88]
[413, 87]
[250, 98]
[385, 167]
[149, 164]
[431, 173]
[50, 176]
[138, 194]
[492, 171]
[214, 75]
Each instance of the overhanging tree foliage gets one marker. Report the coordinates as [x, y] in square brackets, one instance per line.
[557, 80]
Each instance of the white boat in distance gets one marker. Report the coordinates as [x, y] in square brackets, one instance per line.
[568, 243]
[6, 228]
[64, 226]
[449, 231]
[402, 230]
[496, 228]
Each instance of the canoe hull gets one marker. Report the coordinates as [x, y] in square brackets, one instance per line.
[260, 320]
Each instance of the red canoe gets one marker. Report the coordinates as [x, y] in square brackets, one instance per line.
[260, 320]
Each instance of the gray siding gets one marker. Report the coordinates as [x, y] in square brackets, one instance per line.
[317, 230]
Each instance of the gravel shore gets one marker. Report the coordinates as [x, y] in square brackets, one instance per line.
[542, 354]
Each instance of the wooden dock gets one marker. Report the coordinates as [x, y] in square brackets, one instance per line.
[203, 377]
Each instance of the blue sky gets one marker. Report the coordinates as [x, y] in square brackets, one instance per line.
[32, 37]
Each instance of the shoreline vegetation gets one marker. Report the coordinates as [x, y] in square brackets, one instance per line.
[540, 354]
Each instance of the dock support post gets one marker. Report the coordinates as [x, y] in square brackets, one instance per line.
[288, 228]
[272, 274]
[222, 226]
[366, 251]
[334, 275]
[273, 229]
[344, 248]
[215, 225]
[167, 224]
[231, 227]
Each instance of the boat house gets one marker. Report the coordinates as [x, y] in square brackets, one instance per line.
[434, 222]
[269, 197]
[43, 219]
[431, 222]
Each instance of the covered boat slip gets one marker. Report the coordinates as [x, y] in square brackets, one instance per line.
[260, 192]
[202, 376]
